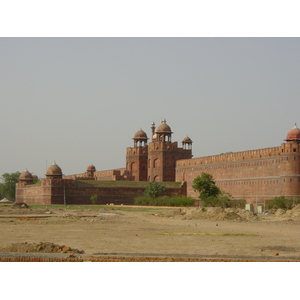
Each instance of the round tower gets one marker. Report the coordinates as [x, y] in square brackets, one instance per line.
[90, 170]
[136, 157]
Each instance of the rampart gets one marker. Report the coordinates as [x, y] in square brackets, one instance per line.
[68, 191]
[115, 174]
[253, 175]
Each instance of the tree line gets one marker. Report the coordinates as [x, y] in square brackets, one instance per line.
[8, 185]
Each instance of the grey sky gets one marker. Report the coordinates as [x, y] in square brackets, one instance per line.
[80, 100]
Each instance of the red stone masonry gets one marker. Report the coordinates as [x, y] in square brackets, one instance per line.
[252, 175]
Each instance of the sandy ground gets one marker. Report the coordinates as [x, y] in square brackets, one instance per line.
[164, 232]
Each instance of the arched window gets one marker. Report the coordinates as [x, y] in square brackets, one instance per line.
[156, 163]
[133, 166]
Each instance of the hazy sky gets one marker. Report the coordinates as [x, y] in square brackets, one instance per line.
[80, 100]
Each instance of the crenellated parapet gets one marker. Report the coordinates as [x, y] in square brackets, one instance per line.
[253, 174]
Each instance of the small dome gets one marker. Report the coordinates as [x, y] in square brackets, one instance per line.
[91, 167]
[54, 170]
[187, 140]
[26, 175]
[140, 135]
[163, 127]
[293, 134]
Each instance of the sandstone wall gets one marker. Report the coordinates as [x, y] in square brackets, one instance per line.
[109, 174]
[253, 175]
[69, 192]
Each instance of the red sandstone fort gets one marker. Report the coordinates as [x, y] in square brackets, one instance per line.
[254, 175]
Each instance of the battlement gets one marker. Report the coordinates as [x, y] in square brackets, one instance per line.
[137, 150]
[290, 148]
[231, 157]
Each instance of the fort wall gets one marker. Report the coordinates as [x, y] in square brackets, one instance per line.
[110, 174]
[254, 175]
[115, 174]
[68, 191]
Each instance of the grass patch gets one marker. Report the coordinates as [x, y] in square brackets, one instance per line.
[165, 201]
[38, 183]
[207, 233]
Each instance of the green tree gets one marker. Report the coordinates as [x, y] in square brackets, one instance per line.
[154, 189]
[206, 187]
[35, 179]
[8, 185]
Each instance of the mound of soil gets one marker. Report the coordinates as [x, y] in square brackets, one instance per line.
[218, 213]
[42, 247]
[279, 212]
[293, 213]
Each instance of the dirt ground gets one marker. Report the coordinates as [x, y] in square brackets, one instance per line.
[121, 233]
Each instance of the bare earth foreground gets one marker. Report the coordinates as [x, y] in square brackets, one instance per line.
[122, 233]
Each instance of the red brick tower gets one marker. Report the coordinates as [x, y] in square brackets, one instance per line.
[163, 153]
[290, 153]
[136, 157]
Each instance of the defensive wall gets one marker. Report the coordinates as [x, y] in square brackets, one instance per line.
[68, 191]
[115, 174]
[254, 175]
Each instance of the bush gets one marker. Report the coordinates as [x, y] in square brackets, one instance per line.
[224, 200]
[94, 199]
[282, 202]
[165, 201]
[154, 189]
[278, 202]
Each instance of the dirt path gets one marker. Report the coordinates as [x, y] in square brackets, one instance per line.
[155, 232]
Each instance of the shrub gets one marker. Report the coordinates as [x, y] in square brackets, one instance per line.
[164, 201]
[278, 202]
[224, 200]
[154, 189]
[282, 202]
[94, 199]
